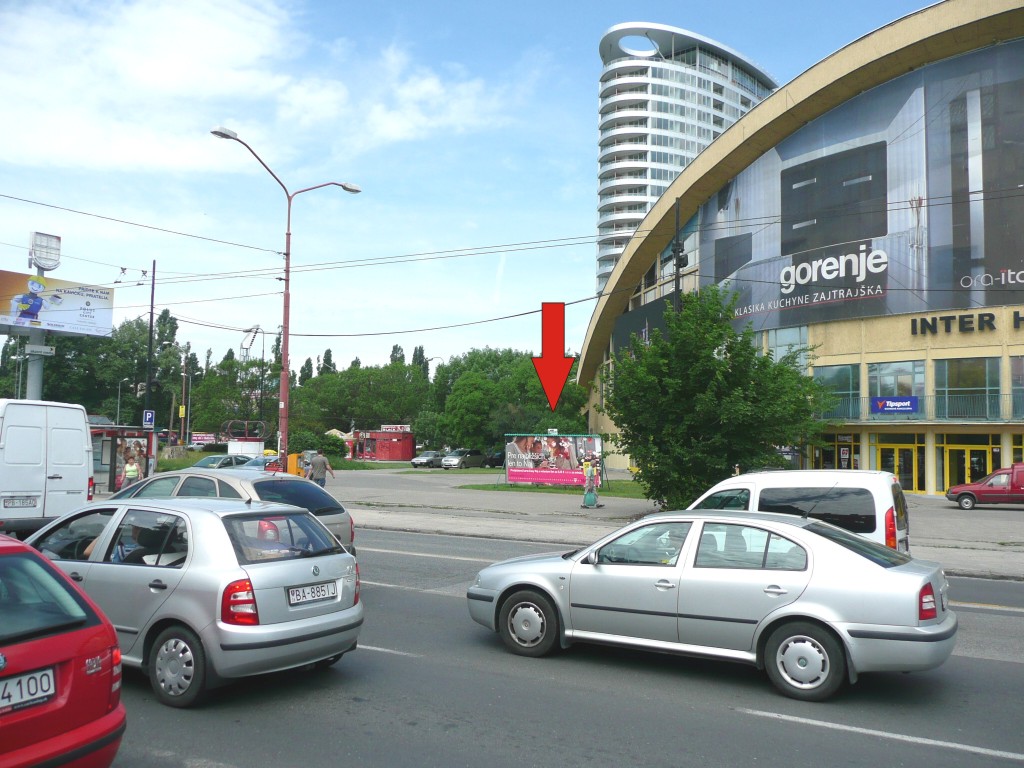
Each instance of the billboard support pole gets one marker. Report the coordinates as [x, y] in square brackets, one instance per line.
[34, 378]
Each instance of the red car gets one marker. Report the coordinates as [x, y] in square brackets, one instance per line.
[60, 668]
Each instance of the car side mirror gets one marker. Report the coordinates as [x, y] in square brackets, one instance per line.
[591, 557]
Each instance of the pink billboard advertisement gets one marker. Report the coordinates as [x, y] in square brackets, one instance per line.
[552, 459]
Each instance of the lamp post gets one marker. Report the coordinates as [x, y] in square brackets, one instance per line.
[225, 133]
[117, 419]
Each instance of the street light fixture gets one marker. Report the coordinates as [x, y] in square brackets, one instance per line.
[225, 133]
[117, 418]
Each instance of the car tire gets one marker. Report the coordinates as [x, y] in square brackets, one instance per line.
[177, 667]
[966, 501]
[805, 661]
[528, 624]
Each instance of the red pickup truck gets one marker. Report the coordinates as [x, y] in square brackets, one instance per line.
[1004, 486]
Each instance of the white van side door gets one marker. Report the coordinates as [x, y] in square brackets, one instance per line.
[68, 459]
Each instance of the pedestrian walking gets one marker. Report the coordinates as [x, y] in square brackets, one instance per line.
[319, 466]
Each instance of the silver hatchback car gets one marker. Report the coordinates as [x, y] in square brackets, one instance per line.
[205, 590]
[811, 604]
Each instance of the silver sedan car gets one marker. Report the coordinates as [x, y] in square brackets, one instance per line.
[254, 484]
[201, 591]
[811, 604]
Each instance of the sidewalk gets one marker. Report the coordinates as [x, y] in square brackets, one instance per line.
[983, 543]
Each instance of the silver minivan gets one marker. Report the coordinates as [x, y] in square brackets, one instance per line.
[866, 502]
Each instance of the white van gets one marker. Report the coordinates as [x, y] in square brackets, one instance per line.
[867, 502]
[45, 462]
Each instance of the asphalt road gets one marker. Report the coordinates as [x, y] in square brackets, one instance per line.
[428, 687]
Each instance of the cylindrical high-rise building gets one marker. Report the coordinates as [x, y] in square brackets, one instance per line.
[666, 94]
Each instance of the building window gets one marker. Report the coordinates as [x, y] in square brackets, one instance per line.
[904, 379]
[844, 381]
[967, 388]
[1017, 387]
[780, 341]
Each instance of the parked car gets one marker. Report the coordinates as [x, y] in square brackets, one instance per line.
[195, 446]
[220, 461]
[207, 590]
[263, 486]
[60, 667]
[1004, 486]
[261, 463]
[867, 502]
[812, 604]
[428, 459]
[462, 458]
[495, 458]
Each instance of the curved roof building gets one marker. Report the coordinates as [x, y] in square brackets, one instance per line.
[872, 209]
[666, 94]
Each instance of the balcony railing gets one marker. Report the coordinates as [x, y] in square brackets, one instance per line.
[933, 408]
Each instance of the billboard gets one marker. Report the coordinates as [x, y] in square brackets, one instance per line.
[60, 306]
[550, 459]
[904, 199]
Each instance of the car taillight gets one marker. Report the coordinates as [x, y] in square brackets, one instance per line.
[890, 528]
[351, 530]
[115, 679]
[356, 600]
[926, 603]
[92, 487]
[238, 604]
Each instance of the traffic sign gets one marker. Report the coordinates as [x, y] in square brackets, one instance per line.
[148, 419]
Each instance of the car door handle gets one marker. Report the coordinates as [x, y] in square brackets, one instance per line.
[75, 576]
[775, 590]
[55, 477]
[157, 584]
[664, 584]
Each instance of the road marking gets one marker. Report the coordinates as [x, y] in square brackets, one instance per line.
[887, 735]
[986, 606]
[389, 650]
[425, 554]
[441, 592]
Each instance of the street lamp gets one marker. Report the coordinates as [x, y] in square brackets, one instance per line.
[225, 133]
[117, 419]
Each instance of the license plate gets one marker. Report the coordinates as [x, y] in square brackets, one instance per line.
[20, 501]
[312, 592]
[26, 690]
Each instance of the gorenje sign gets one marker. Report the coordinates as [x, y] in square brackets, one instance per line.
[854, 265]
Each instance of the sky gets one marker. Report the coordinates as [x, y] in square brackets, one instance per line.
[471, 129]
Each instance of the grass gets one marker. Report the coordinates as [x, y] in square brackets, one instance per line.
[621, 489]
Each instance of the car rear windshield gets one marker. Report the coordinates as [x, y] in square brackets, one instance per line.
[35, 602]
[263, 537]
[876, 553]
[849, 508]
[300, 493]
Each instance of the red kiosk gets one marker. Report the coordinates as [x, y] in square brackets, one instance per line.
[392, 442]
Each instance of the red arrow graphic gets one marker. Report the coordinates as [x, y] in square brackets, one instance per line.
[552, 366]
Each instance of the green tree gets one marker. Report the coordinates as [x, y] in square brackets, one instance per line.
[397, 354]
[700, 398]
[306, 371]
[327, 365]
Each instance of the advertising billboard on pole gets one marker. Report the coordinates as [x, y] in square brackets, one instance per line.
[60, 306]
[550, 459]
